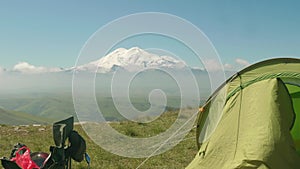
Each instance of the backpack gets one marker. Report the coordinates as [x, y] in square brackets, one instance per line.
[77, 149]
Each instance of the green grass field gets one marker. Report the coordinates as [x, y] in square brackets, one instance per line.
[17, 118]
[39, 138]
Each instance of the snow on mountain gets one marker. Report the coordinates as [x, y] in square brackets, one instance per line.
[133, 59]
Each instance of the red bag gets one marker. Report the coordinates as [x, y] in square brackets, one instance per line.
[24, 160]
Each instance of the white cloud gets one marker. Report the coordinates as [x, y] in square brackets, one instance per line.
[27, 68]
[242, 62]
[213, 65]
[228, 66]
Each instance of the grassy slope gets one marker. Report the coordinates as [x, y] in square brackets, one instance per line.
[56, 107]
[51, 107]
[19, 118]
[179, 157]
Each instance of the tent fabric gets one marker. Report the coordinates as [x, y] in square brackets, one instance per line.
[259, 122]
[295, 95]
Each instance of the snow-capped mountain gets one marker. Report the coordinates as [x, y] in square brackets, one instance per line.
[133, 59]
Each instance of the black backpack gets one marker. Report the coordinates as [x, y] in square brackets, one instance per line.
[77, 149]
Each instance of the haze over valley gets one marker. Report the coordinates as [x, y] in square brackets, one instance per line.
[47, 92]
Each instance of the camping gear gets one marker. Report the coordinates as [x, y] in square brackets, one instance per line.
[7, 164]
[78, 146]
[23, 159]
[252, 120]
[39, 158]
[61, 154]
[16, 148]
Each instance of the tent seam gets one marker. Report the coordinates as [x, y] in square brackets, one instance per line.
[263, 77]
[239, 118]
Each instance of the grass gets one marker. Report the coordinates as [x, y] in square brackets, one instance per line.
[40, 138]
[51, 107]
[57, 106]
[18, 118]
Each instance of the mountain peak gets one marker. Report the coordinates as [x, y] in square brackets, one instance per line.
[135, 49]
[132, 59]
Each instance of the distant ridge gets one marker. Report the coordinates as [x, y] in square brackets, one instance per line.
[9, 117]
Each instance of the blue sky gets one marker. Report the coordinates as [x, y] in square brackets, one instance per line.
[51, 33]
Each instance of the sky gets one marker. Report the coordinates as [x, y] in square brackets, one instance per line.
[52, 33]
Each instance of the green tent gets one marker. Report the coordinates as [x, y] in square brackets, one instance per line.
[252, 120]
